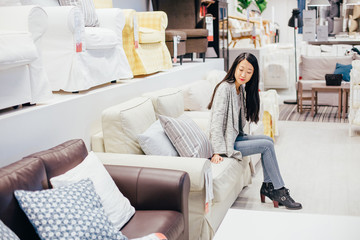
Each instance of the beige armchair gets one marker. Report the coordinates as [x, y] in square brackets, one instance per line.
[144, 41]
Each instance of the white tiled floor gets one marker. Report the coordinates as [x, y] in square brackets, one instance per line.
[320, 164]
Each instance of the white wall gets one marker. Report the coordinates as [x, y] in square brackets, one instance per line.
[283, 11]
[138, 5]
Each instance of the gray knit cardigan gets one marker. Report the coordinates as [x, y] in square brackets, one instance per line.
[224, 123]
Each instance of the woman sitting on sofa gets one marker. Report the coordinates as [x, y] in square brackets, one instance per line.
[231, 107]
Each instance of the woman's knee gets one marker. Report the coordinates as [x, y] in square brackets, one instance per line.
[268, 143]
[268, 138]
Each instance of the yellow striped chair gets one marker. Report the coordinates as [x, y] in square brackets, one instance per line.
[150, 55]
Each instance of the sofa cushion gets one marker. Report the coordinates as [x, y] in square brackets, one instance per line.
[315, 68]
[197, 95]
[167, 101]
[170, 33]
[6, 232]
[155, 142]
[88, 9]
[225, 174]
[215, 76]
[186, 136]
[116, 206]
[195, 32]
[100, 38]
[148, 35]
[62, 213]
[123, 122]
[306, 84]
[17, 48]
[27, 174]
[170, 223]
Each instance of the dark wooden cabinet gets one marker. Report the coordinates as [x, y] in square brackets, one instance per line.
[219, 11]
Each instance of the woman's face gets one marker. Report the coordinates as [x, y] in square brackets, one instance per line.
[243, 73]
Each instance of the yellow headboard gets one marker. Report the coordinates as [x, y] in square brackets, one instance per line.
[103, 3]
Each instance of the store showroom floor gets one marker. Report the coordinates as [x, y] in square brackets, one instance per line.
[320, 165]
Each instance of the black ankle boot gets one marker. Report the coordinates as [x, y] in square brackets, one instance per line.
[282, 196]
[266, 190]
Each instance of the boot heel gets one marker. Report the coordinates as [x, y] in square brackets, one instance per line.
[262, 196]
[276, 204]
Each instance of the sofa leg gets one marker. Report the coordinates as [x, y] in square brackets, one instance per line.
[181, 59]
[192, 56]
[204, 55]
[28, 104]
[113, 81]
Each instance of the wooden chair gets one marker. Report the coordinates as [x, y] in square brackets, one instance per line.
[241, 29]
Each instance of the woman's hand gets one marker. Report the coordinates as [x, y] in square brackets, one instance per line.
[216, 158]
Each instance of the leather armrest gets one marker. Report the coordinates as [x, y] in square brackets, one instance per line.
[151, 188]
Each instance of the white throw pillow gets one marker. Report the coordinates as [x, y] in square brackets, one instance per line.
[197, 95]
[167, 101]
[117, 207]
[123, 122]
[155, 142]
[215, 76]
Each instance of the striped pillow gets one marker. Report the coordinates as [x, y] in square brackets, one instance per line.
[186, 136]
[88, 9]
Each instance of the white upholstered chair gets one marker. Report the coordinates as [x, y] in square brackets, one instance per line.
[22, 75]
[76, 57]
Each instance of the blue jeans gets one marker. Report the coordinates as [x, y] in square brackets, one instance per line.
[254, 144]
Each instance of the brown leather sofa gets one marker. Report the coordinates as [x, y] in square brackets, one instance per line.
[159, 196]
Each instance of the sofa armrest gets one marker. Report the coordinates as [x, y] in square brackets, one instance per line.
[97, 142]
[151, 188]
[128, 31]
[155, 20]
[112, 18]
[65, 30]
[28, 18]
[195, 167]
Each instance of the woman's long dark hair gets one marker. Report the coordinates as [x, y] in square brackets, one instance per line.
[251, 87]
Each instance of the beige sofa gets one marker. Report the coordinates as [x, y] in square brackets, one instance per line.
[312, 70]
[117, 144]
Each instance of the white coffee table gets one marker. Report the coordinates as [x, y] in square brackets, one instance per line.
[251, 224]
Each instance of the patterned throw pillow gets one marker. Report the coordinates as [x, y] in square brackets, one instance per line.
[6, 233]
[70, 212]
[186, 136]
[88, 9]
